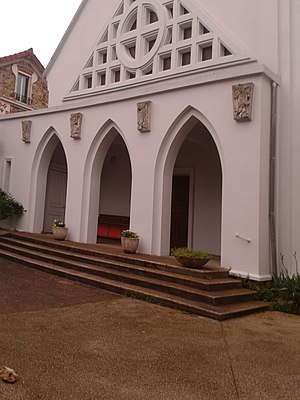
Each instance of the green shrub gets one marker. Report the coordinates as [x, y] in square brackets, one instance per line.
[9, 206]
[269, 294]
[288, 286]
[283, 293]
[184, 252]
[129, 234]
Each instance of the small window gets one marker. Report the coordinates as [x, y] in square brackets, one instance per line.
[187, 33]
[186, 58]
[102, 56]
[115, 29]
[153, 17]
[116, 75]
[151, 44]
[169, 36]
[167, 63]
[104, 37]
[224, 51]
[131, 51]
[120, 10]
[133, 26]
[202, 29]
[183, 10]
[7, 173]
[170, 10]
[101, 78]
[114, 53]
[90, 62]
[22, 88]
[205, 52]
[148, 70]
[89, 82]
[130, 75]
[75, 87]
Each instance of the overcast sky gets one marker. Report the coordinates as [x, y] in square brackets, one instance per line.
[39, 24]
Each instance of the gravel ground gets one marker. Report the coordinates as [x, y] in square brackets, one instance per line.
[68, 341]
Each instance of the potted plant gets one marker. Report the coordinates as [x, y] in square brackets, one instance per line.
[59, 230]
[129, 241]
[191, 258]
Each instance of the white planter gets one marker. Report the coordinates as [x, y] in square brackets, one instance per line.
[59, 233]
[129, 245]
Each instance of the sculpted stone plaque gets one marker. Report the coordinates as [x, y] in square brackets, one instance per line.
[144, 116]
[75, 122]
[26, 131]
[4, 108]
[242, 96]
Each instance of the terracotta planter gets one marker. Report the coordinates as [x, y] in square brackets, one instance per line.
[191, 262]
[129, 245]
[59, 233]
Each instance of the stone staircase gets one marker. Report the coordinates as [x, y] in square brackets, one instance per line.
[209, 292]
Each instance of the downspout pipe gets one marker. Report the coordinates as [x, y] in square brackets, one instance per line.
[272, 181]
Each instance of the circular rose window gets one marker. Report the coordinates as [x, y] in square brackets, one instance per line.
[140, 33]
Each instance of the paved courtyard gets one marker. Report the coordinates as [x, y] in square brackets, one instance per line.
[68, 341]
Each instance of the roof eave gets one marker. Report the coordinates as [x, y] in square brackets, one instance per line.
[65, 37]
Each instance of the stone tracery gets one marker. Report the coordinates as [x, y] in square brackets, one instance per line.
[154, 38]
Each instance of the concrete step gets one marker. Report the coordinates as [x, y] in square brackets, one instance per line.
[150, 271]
[219, 312]
[208, 292]
[157, 283]
[74, 248]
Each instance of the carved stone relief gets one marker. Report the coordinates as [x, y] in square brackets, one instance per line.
[144, 116]
[75, 122]
[26, 131]
[242, 96]
[4, 108]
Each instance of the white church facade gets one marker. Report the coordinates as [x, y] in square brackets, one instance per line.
[179, 118]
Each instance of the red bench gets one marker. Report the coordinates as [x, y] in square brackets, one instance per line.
[111, 226]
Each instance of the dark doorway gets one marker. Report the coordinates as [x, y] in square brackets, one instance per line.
[55, 202]
[180, 211]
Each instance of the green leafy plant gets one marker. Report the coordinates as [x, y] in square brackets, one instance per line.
[58, 223]
[9, 206]
[288, 286]
[129, 234]
[185, 252]
[283, 293]
[190, 258]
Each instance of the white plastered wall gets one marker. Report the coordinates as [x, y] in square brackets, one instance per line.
[244, 204]
[288, 162]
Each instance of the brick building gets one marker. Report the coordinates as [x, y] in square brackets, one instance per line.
[22, 85]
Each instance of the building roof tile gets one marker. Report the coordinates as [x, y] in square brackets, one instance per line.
[26, 54]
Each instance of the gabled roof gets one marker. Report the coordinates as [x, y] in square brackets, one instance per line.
[65, 37]
[154, 39]
[24, 55]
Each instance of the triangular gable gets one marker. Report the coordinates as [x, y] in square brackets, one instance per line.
[150, 39]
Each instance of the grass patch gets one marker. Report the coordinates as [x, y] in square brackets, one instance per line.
[283, 293]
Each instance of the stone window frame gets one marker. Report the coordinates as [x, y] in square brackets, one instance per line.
[19, 70]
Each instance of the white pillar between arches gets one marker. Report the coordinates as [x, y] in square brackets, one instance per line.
[141, 214]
